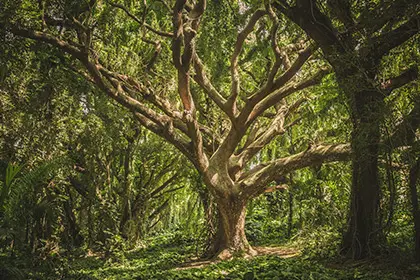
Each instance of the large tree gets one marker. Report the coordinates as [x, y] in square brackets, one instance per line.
[354, 39]
[243, 121]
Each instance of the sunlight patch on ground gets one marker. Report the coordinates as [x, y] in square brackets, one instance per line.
[282, 252]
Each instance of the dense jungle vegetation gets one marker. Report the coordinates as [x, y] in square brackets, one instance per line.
[222, 139]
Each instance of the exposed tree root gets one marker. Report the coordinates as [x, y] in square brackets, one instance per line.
[283, 252]
[227, 254]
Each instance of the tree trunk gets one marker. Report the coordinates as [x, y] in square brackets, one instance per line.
[210, 216]
[363, 234]
[125, 216]
[73, 228]
[290, 215]
[230, 239]
[414, 174]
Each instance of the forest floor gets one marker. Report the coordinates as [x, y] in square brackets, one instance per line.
[282, 252]
[173, 259]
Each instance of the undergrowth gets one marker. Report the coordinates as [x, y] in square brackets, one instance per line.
[162, 258]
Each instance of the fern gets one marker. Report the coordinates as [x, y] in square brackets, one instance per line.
[27, 201]
[11, 272]
[11, 172]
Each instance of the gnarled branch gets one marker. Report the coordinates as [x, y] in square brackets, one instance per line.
[234, 59]
[254, 181]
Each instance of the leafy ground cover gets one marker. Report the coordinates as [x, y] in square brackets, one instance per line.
[171, 257]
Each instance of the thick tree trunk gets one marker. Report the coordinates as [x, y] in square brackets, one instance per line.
[363, 234]
[230, 239]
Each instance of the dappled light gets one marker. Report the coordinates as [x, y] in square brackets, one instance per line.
[195, 139]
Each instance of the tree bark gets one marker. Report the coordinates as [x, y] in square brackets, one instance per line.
[210, 216]
[355, 70]
[363, 234]
[230, 239]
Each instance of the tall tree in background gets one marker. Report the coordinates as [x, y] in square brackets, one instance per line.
[354, 39]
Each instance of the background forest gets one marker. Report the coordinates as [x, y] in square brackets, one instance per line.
[221, 139]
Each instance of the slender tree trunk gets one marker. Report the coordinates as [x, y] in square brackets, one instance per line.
[125, 216]
[142, 218]
[90, 225]
[290, 215]
[363, 234]
[414, 174]
[73, 228]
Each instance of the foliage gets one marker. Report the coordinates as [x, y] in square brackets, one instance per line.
[94, 187]
[164, 256]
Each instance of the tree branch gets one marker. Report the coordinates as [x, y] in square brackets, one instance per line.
[405, 132]
[201, 78]
[47, 38]
[382, 44]
[184, 34]
[387, 12]
[164, 185]
[159, 124]
[342, 11]
[286, 77]
[276, 127]
[158, 49]
[255, 181]
[142, 22]
[396, 82]
[234, 59]
[279, 58]
[278, 95]
[183, 146]
[308, 16]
